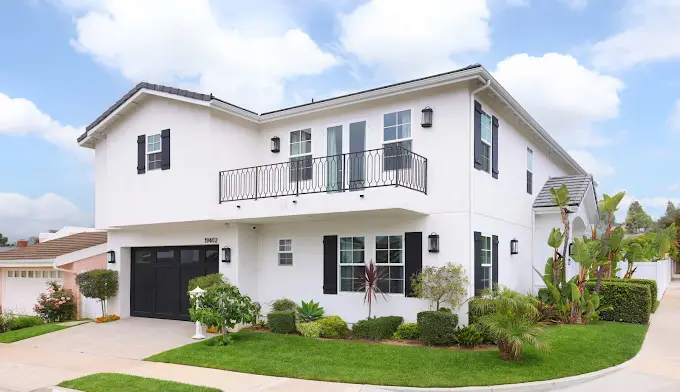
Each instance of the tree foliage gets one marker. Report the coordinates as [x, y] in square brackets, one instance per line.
[3, 240]
[101, 284]
[637, 220]
[441, 285]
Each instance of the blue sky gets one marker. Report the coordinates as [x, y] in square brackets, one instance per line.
[602, 76]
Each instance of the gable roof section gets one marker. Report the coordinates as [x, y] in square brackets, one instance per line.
[577, 186]
[58, 247]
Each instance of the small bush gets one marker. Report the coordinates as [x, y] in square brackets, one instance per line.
[310, 329]
[478, 307]
[206, 281]
[377, 328]
[445, 310]
[333, 327]
[648, 282]
[468, 336]
[12, 323]
[630, 302]
[281, 321]
[58, 304]
[107, 319]
[437, 328]
[408, 331]
[283, 304]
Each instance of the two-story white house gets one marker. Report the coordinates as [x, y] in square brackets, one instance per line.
[295, 202]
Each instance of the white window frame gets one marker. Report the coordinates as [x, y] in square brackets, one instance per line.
[488, 265]
[301, 155]
[150, 150]
[488, 143]
[282, 250]
[402, 262]
[352, 264]
[530, 162]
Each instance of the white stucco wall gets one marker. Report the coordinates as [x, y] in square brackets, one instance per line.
[20, 295]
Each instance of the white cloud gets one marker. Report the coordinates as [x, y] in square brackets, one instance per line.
[566, 98]
[201, 44]
[659, 202]
[19, 116]
[650, 33]
[578, 5]
[517, 3]
[407, 38]
[22, 216]
[674, 118]
[592, 164]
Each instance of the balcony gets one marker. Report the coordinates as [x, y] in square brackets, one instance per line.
[390, 166]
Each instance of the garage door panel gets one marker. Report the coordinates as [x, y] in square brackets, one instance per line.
[167, 291]
[144, 292]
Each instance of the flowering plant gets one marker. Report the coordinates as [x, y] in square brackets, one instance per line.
[106, 319]
[58, 304]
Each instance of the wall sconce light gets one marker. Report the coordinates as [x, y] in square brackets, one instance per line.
[276, 144]
[111, 257]
[514, 246]
[427, 117]
[226, 254]
[571, 249]
[433, 242]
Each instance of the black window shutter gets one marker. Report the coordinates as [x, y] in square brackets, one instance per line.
[165, 149]
[141, 154]
[494, 147]
[330, 264]
[478, 136]
[413, 259]
[494, 261]
[478, 263]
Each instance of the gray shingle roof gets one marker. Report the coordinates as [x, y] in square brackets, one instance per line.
[577, 186]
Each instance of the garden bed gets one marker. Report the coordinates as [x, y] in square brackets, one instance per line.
[574, 350]
[105, 382]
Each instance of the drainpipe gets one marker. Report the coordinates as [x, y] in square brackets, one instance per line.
[471, 169]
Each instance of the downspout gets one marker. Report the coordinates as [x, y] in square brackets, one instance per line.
[471, 169]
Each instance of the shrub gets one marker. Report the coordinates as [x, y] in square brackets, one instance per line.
[12, 323]
[283, 304]
[309, 311]
[101, 284]
[441, 285]
[282, 321]
[627, 302]
[377, 328]
[310, 329]
[409, 331]
[436, 328]
[107, 319]
[478, 307]
[333, 327]
[468, 336]
[654, 291]
[445, 310]
[58, 304]
[206, 281]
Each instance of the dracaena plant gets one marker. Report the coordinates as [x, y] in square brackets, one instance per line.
[309, 311]
[369, 285]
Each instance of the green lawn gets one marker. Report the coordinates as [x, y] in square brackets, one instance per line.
[574, 350]
[105, 382]
[25, 333]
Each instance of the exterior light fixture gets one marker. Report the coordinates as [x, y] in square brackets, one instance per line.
[571, 249]
[226, 254]
[514, 246]
[276, 144]
[111, 257]
[427, 118]
[433, 243]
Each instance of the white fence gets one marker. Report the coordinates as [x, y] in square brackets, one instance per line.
[660, 271]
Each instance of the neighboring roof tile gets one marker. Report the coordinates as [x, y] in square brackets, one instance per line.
[57, 247]
[577, 186]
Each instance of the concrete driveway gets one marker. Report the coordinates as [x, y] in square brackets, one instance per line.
[133, 338]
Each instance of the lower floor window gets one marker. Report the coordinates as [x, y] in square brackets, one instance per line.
[487, 278]
[352, 263]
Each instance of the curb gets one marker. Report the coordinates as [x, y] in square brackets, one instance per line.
[534, 386]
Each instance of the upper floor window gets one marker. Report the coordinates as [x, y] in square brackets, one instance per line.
[153, 151]
[301, 155]
[486, 142]
[530, 171]
[396, 138]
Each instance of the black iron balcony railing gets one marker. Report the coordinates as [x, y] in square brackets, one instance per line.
[389, 166]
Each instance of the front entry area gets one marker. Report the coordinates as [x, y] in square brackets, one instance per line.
[160, 278]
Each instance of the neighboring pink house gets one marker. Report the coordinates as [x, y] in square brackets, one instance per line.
[25, 271]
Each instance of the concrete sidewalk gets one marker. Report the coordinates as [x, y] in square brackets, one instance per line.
[38, 363]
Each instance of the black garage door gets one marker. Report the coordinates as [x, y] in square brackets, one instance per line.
[160, 277]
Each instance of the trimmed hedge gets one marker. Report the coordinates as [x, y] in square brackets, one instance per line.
[377, 328]
[282, 321]
[310, 329]
[205, 281]
[437, 328]
[409, 331]
[654, 290]
[631, 302]
[333, 327]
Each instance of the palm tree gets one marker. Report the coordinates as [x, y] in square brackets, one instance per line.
[512, 323]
